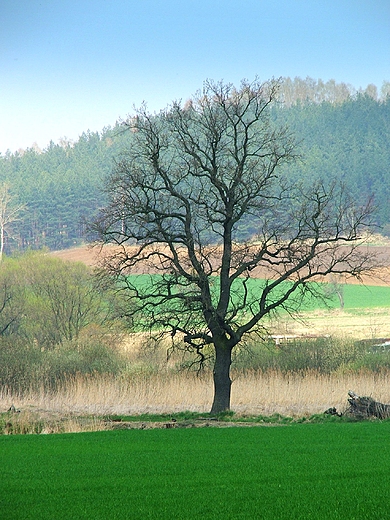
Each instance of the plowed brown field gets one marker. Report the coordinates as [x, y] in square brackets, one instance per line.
[90, 256]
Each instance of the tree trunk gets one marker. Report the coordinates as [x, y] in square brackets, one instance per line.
[1, 241]
[222, 381]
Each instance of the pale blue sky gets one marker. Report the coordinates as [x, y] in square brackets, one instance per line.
[72, 65]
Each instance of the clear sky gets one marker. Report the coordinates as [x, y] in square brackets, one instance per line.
[69, 66]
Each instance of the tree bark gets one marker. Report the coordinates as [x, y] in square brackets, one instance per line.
[222, 381]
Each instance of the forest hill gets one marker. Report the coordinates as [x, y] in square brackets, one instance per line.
[344, 134]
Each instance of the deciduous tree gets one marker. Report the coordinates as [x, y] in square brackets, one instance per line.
[195, 177]
[62, 300]
[9, 213]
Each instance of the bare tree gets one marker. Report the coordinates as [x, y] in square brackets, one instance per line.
[203, 199]
[8, 213]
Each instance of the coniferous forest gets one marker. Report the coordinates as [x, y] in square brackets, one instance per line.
[344, 134]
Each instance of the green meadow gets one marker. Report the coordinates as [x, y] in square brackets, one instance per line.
[320, 471]
[355, 296]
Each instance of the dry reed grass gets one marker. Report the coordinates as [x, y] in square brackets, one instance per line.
[30, 421]
[154, 385]
[305, 394]
[253, 393]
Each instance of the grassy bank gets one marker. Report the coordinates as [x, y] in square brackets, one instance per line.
[332, 471]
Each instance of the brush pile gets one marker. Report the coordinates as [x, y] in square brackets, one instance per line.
[364, 407]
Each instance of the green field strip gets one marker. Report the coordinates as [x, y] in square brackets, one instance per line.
[356, 296]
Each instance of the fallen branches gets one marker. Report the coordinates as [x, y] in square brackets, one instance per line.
[367, 407]
[362, 407]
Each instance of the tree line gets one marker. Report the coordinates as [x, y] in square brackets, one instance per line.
[344, 133]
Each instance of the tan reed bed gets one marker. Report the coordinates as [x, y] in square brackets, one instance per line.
[253, 393]
[304, 394]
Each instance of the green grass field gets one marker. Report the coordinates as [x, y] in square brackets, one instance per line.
[318, 471]
[356, 296]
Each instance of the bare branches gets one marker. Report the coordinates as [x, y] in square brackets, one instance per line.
[9, 213]
[181, 197]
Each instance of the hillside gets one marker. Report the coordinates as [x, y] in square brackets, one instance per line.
[343, 134]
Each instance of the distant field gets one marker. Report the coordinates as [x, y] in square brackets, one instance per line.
[89, 256]
[330, 470]
[366, 311]
[355, 296]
